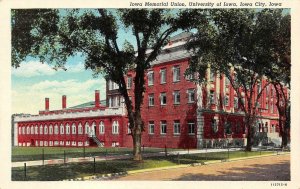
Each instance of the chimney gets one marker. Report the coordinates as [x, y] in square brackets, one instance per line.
[97, 99]
[47, 104]
[64, 102]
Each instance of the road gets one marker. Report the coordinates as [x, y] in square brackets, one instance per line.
[271, 168]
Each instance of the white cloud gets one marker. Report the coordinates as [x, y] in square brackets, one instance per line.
[36, 68]
[30, 99]
[33, 68]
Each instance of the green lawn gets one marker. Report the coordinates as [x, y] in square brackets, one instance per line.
[75, 170]
[36, 153]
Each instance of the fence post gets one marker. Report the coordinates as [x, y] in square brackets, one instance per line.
[94, 165]
[25, 171]
[43, 156]
[166, 153]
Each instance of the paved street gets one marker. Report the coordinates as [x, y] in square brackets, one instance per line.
[269, 168]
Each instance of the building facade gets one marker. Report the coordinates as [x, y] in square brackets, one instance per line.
[177, 112]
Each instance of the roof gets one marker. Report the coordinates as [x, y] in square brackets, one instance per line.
[182, 35]
[88, 104]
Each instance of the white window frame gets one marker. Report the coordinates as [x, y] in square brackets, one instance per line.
[86, 128]
[73, 129]
[115, 127]
[151, 127]
[62, 129]
[68, 129]
[226, 100]
[176, 97]
[163, 127]
[31, 130]
[191, 128]
[56, 130]
[176, 73]
[28, 130]
[41, 129]
[162, 96]
[50, 129]
[36, 129]
[150, 76]
[151, 99]
[101, 127]
[128, 128]
[163, 76]
[45, 130]
[20, 130]
[176, 127]
[211, 97]
[191, 95]
[80, 129]
[129, 82]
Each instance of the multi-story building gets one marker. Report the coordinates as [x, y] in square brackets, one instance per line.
[177, 112]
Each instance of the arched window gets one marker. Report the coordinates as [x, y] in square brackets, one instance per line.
[73, 129]
[36, 130]
[28, 130]
[46, 130]
[115, 127]
[32, 130]
[20, 130]
[50, 129]
[79, 128]
[94, 127]
[56, 129]
[101, 128]
[62, 130]
[41, 130]
[87, 128]
[68, 129]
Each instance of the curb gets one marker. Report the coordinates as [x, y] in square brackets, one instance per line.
[109, 175]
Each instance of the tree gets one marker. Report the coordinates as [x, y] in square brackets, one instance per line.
[279, 69]
[236, 43]
[56, 35]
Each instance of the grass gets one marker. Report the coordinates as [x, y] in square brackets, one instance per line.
[77, 170]
[36, 153]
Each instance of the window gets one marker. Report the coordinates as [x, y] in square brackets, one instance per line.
[41, 129]
[214, 125]
[236, 102]
[55, 129]
[67, 129]
[258, 88]
[128, 128]
[176, 73]
[46, 129]
[80, 129]
[87, 128]
[129, 82]
[50, 129]
[62, 129]
[28, 130]
[163, 127]
[102, 127]
[151, 99]
[112, 85]
[191, 95]
[36, 130]
[163, 76]
[20, 130]
[32, 130]
[176, 97]
[226, 100]
[212, 97]
[267, 104]
[73, 128]
[227, 127]
[150, 78]
[212, 76]
[163, 98]
[176, 127]
[115, 129]
[191, 127]
[151, 127]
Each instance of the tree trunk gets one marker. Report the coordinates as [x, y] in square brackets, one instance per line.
[137, 137]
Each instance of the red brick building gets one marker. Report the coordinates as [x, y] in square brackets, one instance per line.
[177, 112]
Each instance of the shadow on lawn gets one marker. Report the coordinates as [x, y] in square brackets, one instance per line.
[257, 172]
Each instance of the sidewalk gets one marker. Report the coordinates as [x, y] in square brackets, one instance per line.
[103, 158]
